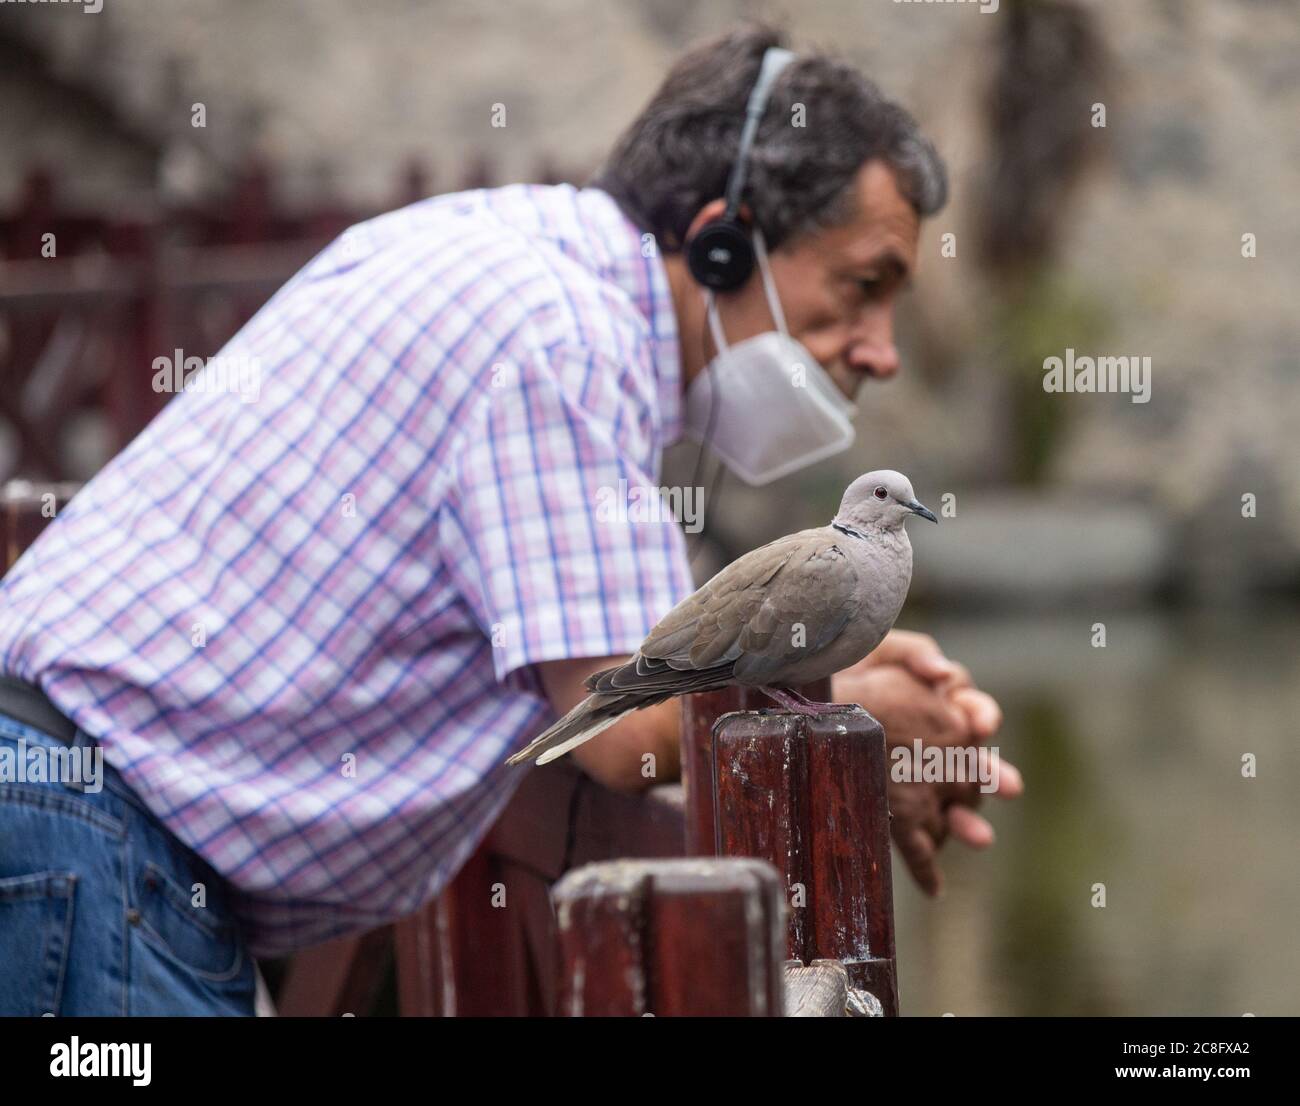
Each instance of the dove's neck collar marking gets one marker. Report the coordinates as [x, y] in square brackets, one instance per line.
[844, 528]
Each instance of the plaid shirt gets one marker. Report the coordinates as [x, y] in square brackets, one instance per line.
[301, 626]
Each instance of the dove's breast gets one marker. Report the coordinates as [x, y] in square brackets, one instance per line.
[885, 570]
[883, 562]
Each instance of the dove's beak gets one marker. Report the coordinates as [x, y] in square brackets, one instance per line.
[920, 509]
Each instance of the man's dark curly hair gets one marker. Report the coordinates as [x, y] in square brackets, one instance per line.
[677, 154]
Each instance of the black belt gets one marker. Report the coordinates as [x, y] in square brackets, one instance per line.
[32, 706]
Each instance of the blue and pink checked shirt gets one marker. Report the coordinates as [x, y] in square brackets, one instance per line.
[302, 626]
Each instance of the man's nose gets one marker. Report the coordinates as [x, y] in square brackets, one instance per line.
[872, 351]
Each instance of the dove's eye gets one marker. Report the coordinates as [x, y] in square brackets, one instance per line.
[880, 493]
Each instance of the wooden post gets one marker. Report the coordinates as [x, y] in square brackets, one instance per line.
[465, 955]
[699, 713]
[808, 795]
[672, 937]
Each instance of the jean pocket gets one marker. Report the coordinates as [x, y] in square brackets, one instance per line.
[198, 938]
[35, 931]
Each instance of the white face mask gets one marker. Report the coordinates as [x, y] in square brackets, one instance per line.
[774, 409]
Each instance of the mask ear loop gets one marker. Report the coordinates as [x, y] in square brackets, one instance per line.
[715, 482]
[720, 342]
[769, 286]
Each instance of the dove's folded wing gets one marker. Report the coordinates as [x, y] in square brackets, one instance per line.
[771, 608]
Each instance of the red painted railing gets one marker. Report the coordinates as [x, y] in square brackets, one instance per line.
[89, 299]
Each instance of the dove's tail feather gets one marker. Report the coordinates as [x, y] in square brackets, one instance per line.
[641, 682]
[595, 714]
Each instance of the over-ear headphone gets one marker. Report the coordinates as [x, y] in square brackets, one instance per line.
[721, 255]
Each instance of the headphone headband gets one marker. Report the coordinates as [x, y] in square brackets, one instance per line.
[721, 255]
[774, 61]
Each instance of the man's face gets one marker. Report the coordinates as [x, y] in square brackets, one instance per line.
[838, 287]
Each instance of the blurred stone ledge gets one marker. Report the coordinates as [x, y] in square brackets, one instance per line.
[1014, 548]
[1011, 548]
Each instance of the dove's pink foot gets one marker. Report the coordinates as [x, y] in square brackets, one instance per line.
[793, 701]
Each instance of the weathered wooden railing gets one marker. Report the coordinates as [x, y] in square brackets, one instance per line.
[805, 795]
[808, 795]
[699, 937]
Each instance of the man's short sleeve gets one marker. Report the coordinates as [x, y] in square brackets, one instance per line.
[567, 548]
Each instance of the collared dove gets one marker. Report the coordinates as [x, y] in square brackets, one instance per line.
[791, 612]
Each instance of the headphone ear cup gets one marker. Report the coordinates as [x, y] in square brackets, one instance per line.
[721, 255]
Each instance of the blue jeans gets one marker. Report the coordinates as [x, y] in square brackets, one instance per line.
[101, 908]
